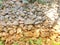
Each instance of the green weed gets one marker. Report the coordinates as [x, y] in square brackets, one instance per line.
[1, 43]
[37, 42]
[15, 43]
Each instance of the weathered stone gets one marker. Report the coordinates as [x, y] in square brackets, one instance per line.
[19, 30]
[28, 21]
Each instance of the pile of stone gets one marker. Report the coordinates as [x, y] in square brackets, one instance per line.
[12, 13]
[18, 20]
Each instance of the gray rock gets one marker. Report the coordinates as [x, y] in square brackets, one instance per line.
[39, 13]
[7, 16]
[15, 23]
[3, 23]
[38, 9]
[38, 22]
[32, 16]
[28, 21]
[15, 13]
[1, 17]
[9, 23]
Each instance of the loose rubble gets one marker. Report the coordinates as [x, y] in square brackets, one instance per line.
[19, 23]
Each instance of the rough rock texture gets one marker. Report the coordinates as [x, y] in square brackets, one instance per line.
[13, 13]
[19, 23]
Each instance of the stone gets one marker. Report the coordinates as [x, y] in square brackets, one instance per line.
[29, 27]
[36, 33]
[28, 21]
[19, 30]
[32, 16]
[11, 32]
[15, 23]
[1, 17]
[28, 34]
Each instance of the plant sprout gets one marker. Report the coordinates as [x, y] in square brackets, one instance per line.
[1, 43]
[15, 43]
[37, 42]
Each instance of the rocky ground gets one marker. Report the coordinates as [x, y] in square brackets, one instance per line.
[27, 24]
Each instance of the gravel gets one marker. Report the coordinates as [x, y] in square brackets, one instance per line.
[14, 12]
[18, 20]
